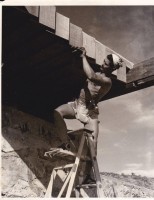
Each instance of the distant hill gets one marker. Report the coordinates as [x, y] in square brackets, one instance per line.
[116, 185]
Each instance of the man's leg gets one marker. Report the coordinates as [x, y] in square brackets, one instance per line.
[64, 111]
[94, 125]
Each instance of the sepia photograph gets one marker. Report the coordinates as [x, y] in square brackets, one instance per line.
[77, 101]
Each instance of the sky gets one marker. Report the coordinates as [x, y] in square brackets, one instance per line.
[126, 136]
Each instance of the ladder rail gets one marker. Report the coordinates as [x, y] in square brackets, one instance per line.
[71, 177]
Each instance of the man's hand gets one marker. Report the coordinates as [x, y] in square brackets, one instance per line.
[80, 50]
[83, 51]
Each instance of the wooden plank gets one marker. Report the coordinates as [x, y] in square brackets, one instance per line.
[65, 184]
[48, 193]
[121, 73]
[141, 70]
[33, 10]
[89, 44]
[100, 191]
[76, 38]
[75, 167]
[100, 53]
[83, 193]
[62, 26]
[140, 84]
[47, 16]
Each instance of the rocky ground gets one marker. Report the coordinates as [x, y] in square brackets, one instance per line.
[116, 185]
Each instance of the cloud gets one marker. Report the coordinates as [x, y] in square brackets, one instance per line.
[133, 166]
[147, 119]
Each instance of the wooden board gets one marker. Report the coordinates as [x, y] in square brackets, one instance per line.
[62, 26]
[141, 70]
[121, 73]
[47, 16]
[89, 44]
[76, 38]
[33, 10]
[100, 52]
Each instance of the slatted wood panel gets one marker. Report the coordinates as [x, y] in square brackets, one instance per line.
[89, 44]
[33, 10]
[76, 37]
[62, 26]
[141, 70]
[47, 16]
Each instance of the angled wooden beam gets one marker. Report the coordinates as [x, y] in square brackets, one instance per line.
[62, 26]
[33, 10]
[47, 16]
[141, 70]
[76, 37]
[89, 44]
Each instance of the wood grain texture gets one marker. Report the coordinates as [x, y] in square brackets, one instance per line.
[89, 44]
[141, 70]
[33, 10]
[47, 16]
[62, 26]
[76, 38]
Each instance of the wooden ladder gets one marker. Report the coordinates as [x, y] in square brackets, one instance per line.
[68, 172]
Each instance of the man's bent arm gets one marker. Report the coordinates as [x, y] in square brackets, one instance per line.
[91, 75]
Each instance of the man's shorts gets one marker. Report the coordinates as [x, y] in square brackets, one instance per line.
[82, 113]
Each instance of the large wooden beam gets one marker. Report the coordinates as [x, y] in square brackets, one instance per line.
[141, 70]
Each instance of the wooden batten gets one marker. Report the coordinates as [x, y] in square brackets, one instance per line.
[141, 71]
[121, 73]
[33, 10]
[76, 37]
[89, 44]
[47, 16]
[62, 26]
[100, 52]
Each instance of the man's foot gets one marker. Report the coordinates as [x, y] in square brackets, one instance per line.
[88, 180]
[65, 146]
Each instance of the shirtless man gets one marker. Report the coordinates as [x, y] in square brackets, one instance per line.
[85, 108]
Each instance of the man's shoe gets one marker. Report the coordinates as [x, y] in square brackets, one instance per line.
[88, 180]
